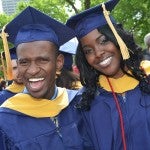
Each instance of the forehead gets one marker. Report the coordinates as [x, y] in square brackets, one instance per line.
[93, 35]
[36, 48]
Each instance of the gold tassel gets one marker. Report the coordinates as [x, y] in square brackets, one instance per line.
[7, 54]
[3, 66]
[122, 45]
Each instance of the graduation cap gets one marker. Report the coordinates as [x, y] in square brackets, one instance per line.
[70, 46]
[33, 25]
[68, 60]
[95, 17]
[12, 52]
[68, 50]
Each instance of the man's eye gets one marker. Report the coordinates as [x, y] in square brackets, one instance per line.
[23, 63]
[43, 60]
[14, 68]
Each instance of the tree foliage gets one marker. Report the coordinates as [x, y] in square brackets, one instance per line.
[52, 8]
[132, 14]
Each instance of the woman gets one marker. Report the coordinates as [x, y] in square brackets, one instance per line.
[116, 98]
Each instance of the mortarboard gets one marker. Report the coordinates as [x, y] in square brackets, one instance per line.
[90, 19]
[95, 17]
[70, 46]
[13, 54]
[68, 60]
[33, 25]
[68, 49]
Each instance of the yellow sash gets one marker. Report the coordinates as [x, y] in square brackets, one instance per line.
[38, 108]
[124, 83]
[15, 88]
[119, 85]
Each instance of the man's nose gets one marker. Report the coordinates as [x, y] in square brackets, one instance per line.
[33, 68]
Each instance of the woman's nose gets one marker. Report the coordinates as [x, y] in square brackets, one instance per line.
[99, 51]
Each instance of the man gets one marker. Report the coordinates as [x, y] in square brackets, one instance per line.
[39, 118]
[16, 86]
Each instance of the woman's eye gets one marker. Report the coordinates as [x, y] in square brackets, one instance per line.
[103, 40]
[88, 51]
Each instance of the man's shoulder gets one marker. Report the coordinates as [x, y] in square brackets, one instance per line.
[5, 94]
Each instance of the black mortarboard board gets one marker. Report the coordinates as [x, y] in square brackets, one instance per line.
[12, 52]
[68, 60]
[33, 25]
[70, 46]
[90, 19]
[68, 50]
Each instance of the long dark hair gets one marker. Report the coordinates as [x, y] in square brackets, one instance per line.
[67, 79]
[89, 76]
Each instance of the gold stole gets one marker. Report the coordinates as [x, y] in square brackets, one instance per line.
[38, 108]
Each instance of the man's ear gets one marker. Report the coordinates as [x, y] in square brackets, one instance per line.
[60, 62]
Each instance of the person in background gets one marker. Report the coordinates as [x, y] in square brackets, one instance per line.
[1, 78]
[116, 95]
[67, 77]
[17, 85]
[146, 52]
[43, 116]
[75, 69]
[2, 85]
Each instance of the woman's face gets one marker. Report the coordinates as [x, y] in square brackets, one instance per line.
[102, 54]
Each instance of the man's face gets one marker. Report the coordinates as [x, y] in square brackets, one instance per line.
[37, 64]
[15, 73]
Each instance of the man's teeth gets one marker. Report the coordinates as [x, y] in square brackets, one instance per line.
[36, 79]
[106, 61]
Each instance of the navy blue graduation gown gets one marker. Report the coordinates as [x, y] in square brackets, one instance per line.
[10, 91]
[22, 132]
[5, 94]
[103, 122]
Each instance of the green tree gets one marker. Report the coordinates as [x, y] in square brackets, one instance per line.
[135, 17]
[3, 21]
[52, 8]
[132, 14]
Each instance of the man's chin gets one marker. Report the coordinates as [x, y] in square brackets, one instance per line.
[36, 96]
